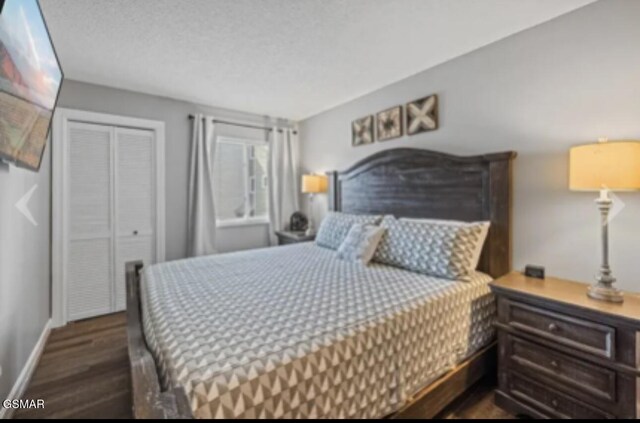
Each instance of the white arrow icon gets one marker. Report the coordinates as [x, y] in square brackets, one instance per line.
[21, 205]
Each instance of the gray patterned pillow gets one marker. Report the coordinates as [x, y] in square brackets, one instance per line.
[361, 243]
[335, 227]
[428, 247]
[484, 225]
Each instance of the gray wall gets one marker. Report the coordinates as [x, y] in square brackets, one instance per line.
[565, 82]
[25, 275]
[95, 98]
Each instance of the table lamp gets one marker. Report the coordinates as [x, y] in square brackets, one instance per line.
[312, 185]
[605, 166]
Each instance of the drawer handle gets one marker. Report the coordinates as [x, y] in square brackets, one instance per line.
[553, 327]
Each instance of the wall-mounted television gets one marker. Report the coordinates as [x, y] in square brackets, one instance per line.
[30, 80]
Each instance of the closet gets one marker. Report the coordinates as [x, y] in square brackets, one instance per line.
[109, 172]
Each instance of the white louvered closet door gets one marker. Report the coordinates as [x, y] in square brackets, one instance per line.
[111, 218]
[89, 264]
[135, 203]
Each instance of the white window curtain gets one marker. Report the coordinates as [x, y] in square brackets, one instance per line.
[202, 212]
[283, 179]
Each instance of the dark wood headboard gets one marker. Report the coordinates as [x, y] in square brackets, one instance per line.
[408, 182]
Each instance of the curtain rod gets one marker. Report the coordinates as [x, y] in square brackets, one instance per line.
[243, 125]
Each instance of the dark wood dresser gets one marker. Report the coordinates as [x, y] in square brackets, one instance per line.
[564, 355]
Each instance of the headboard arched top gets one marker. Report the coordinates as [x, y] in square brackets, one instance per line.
[409, 182]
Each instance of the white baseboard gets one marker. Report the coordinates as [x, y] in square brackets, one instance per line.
[20, 387]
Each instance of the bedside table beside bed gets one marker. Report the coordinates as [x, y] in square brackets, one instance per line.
[293, 237]
[563, 354]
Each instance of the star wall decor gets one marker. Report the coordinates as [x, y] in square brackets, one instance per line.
[389, 123]
[422, 115]
[362, 131]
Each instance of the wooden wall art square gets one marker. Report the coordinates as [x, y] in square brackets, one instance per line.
[389, 123]
[362, 131]
[422, 115]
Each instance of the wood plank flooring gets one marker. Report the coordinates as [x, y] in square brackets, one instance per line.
[477, 403]
[84, 373]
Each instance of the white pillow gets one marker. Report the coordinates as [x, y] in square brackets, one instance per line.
[335, 227]
[484, 226]
[361, 243]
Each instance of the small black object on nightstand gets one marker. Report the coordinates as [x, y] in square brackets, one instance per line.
[534, 271]
[298, 222]
[293, 237]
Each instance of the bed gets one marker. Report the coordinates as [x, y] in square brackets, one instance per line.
[294, 332]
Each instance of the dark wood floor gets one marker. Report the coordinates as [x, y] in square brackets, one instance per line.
[84, 373]
[477, 403]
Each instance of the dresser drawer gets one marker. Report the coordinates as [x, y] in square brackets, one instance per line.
[549, 401]
[581, 379]
[589, 337]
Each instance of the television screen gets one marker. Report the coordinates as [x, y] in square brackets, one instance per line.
[30, 79]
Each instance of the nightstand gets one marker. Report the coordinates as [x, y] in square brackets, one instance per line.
[292, 237]
[564, 355]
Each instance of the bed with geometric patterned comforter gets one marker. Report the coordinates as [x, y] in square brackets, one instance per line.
[295, 332]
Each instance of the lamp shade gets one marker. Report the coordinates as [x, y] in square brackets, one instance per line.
[613, 165]
[314, 184]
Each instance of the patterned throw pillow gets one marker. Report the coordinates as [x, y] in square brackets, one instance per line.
[361, 243]
[335, 227]
[429, 247]
[483, 235]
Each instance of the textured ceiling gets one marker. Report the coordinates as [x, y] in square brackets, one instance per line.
[287, 58]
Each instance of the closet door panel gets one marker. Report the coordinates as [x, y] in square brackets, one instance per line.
[90, 225]
[135, 203]
[131, 248]
[89, 287]
[89, 180]
[135, 181]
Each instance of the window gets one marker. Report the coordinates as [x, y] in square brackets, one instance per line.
[241, 184]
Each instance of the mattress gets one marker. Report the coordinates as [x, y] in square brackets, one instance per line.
[294, 332]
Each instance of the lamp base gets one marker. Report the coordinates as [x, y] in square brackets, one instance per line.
[603, 289]
[608, 293]
[310, 229]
